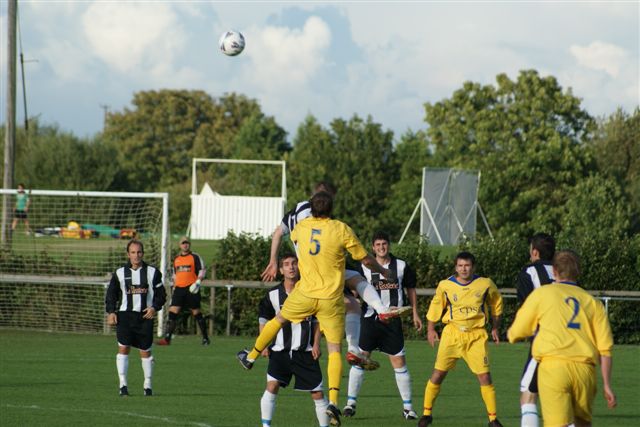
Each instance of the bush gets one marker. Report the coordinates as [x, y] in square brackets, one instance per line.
[607, 265]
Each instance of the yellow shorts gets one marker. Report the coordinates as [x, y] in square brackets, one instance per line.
[470, 345]
[330, 313]
[567, 390]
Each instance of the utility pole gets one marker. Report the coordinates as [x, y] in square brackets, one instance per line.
[105, 107]
[10, 126]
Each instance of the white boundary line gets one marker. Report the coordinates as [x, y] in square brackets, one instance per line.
[126, 413]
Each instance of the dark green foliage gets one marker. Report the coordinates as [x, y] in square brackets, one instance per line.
[617, 152]
[242, 257]
[525, 137]
[607, 265]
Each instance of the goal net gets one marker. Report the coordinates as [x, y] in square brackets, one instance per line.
[55, 263]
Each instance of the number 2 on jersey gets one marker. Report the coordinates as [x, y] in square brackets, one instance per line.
[576, 308]
[315, 243]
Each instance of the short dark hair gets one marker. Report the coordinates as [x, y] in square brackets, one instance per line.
[380, 235]
[321, 204]
[284, 256]
[545, 244]
[135, 242]
[468, 256]
[325, 186]
[567, 264]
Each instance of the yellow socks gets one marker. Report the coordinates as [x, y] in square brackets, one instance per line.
[431, 391]
[267, 335]
[334, 374]
[489, 396]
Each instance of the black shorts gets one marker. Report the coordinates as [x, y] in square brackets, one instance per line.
[134, 331]
[183, 298]
[283, 366]
[529, 380]
[386, 337]
[21, 214]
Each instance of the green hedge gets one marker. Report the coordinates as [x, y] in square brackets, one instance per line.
[607, 265]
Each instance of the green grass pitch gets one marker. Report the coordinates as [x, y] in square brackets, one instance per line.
[67, 380]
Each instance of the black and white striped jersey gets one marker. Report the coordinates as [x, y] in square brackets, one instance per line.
[294, 216]
[391, 294]
[533, 276]
[292, 336]
[135, 290]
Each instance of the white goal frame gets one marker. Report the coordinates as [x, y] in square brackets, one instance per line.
[92, 280]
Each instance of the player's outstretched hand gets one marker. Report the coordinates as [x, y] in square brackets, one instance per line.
[495, 335]
[315, 352]
[432, 337]
[269, 273]
[149, 312]
[417, 322]
[610, 397]
[112, 319]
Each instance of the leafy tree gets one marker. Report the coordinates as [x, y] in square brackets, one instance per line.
[355, 155]
[411, 155]
[157, 139]
[311, 160]
[525, 136]
[48, 158]
[596, 209]
[362, 168]
[617, 151]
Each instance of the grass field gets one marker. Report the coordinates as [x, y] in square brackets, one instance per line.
[67, 380]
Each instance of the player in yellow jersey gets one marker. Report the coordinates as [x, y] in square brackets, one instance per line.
[573, 335]
[463, 302]
[321, 243]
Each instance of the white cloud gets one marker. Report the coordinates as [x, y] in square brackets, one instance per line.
[601, 56]
[285, 57]
[130, 36]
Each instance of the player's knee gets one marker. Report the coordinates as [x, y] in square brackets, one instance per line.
[352, 305]
[527, 397]
[484, 378]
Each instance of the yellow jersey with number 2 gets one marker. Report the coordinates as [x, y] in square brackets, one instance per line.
[321, 244]
[572, 324]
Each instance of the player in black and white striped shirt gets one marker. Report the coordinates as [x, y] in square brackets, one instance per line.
[135, 294]
[294, 352]
[386, 336]
[542, 247]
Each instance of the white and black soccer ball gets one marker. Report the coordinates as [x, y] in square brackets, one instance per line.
[232, 43]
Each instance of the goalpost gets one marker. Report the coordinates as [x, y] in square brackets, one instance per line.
[53, 275]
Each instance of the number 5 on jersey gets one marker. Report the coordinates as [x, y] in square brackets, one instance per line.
[315, 243]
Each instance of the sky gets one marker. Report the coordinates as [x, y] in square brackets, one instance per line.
[327, 59]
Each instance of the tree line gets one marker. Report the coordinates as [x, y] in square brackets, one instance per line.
[546, 164]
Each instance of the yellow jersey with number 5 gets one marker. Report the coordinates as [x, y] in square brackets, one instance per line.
[321, 244]
[572, 325]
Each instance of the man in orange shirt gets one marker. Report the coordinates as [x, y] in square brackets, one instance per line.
[188, 271]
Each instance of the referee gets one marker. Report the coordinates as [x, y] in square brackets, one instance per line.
[134, 295]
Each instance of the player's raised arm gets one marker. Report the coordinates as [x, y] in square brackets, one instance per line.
[271, 270]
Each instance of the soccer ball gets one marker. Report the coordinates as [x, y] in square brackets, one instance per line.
[232, 43]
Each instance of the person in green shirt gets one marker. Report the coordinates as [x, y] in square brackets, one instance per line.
[21, 209]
